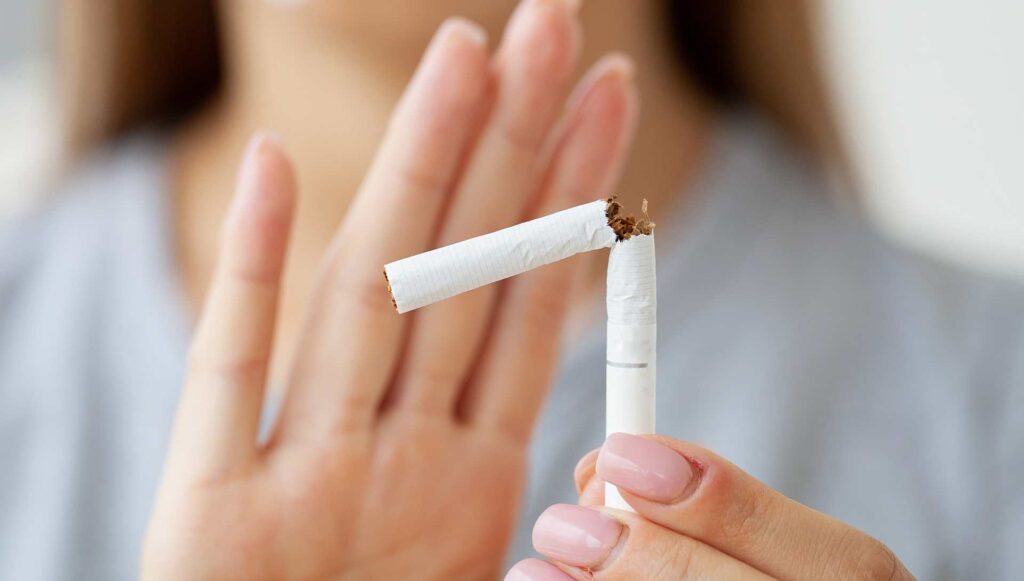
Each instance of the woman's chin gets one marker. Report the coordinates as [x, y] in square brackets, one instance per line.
[399, 19]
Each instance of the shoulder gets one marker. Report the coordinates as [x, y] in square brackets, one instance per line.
[813, 230]
[53, 253]
[808, 267]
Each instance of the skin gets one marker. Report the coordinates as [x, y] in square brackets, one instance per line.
[347, 62]
[390, 421]
[724, 525]
[401, 446]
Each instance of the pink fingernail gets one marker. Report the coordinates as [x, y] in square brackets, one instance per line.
[462, 29]
[575, 535]
[644, 467]
[536, 570]
[258, 144]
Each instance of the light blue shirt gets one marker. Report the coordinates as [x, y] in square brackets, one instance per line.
[873, 385]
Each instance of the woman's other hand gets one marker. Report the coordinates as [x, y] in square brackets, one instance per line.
[698, 517]
[400, 448]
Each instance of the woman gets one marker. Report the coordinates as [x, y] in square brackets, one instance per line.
[871, 385]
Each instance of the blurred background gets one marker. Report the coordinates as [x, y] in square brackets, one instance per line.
[928, 96]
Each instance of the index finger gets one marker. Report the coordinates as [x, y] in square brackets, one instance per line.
[699, 494]
[350, 348]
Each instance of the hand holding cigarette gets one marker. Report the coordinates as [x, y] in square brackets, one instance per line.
[699, 517]
[392, 428]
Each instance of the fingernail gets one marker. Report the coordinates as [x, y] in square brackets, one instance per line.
[258, 143]
[619, 64]
[644, 467]
[616, 66]
[570, 5]
[457, 28]
[535, 570]
[575, 535]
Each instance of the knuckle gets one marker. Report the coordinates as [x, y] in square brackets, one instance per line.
[746, 518]
[877, 562]
[514, 427]
[517, 132]
[431, 389]
[414, 177]
[680, 562]
[253, 271]
[203, 368]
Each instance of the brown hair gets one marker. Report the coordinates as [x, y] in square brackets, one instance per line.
[132, 63]
[762, 55]
[127, 64]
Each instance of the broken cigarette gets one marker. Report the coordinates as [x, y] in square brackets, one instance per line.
[632, 303]
[433, 276]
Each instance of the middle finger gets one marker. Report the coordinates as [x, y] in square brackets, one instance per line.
[534, 68]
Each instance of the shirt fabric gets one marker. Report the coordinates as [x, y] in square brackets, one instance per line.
[874, 385]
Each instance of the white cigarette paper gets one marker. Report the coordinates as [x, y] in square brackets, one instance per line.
[632, 303]
[433, 276]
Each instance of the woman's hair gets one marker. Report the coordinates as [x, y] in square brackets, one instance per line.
[703, 37]
[128, 64]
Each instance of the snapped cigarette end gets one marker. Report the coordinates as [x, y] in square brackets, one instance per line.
[433, 276]
[391, 293]
[631, 355]
[628, 226]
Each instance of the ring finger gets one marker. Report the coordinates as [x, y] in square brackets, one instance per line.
[534, 66]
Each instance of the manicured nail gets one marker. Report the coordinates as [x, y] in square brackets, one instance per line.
[258, 144]
[456, 28]
[536, 570]
[575, 535]
[644, 467]
[616, 67]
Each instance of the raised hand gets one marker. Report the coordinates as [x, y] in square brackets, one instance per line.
[401, 444]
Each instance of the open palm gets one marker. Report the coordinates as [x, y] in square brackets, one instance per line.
[401, 443]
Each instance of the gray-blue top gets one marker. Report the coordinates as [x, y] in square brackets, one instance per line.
[871, 384]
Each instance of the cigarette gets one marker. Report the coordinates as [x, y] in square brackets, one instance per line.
[631, 299]
[440, 274]
[632, 303]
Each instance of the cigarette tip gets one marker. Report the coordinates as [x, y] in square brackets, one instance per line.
[626, 226]
[391, 293]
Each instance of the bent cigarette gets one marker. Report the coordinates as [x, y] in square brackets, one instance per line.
[630, 380]
[433, 276]
[439, 274]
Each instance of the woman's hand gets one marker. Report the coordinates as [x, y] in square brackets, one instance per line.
[698, 517]
[400, 448]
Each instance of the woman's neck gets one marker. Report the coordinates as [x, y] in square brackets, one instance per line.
[330, 100]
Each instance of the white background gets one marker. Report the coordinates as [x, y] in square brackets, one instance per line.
[929, 94]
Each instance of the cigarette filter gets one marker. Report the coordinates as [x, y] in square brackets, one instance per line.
[632, 341]
[439, 274]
